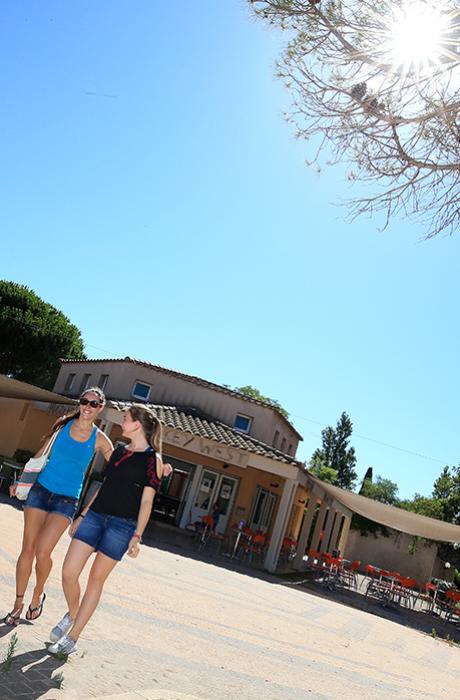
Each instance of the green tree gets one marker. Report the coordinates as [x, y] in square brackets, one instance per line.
[382, 490]
[319, 469]
[34, 336]
[336, 454]
[424, 505]
[254, 393]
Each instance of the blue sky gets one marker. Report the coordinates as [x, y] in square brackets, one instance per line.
[152, 191]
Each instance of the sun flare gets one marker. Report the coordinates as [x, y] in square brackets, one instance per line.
[421, 35]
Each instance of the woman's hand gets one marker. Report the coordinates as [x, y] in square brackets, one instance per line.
[167, 469]
[12, 489]
[133, 547]
[74, 526]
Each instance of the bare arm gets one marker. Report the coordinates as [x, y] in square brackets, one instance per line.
[104, 445]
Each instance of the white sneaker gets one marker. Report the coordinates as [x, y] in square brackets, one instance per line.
[62, 627]
[66, 645]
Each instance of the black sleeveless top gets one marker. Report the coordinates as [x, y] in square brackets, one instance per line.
[126, 475]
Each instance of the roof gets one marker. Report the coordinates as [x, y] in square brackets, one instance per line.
[395, 518]
[14, 389]
[195, 380]
[192, 421]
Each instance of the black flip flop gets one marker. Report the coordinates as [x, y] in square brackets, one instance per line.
[12, 619]
[38, 609]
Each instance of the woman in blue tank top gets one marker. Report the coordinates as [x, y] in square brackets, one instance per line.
[53, 499]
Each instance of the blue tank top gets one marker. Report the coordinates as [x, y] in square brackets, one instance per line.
[67, 464]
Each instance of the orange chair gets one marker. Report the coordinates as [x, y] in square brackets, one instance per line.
[428, 594]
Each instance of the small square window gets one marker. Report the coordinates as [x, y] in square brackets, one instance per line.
[242, 423]
[84, 382]
[69, 382]
[102, 383]
[141, 391]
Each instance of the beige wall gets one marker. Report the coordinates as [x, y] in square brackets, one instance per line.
[392, 553]
[175, 391]
[22, 426]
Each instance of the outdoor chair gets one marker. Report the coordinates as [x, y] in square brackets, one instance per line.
[254, 548]
[314, 561]
[403, 591]
[348, 574]
[453, 605]
[428, 594]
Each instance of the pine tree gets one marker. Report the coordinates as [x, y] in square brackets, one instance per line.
[336, 453]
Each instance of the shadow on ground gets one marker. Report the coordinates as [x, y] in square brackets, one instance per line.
[31, 675]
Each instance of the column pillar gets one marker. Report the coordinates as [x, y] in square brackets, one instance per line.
[344, 535]
[319, 526]
[186, 517]
[305, 531]
[279, 528]
[336, 530]
[327, 531]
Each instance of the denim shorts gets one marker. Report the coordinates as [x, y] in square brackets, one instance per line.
[108, 534]
[41, 498]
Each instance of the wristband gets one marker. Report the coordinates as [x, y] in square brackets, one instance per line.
[82, 515]
[137, 535]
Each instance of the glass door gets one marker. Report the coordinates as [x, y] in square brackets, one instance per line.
[225, 495]
[215, 494]
[204, 498]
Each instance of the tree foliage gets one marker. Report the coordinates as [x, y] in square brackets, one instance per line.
[382, 490]
[34, 336]
[254, 393]
[336, 454]
[394, 122]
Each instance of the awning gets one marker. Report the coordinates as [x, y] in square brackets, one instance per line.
[395, 518]
[14, 389]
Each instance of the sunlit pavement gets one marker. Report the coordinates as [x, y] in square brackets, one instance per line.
[174, 628]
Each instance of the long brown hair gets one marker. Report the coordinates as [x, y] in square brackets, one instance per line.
[150, 425]
[61, 422]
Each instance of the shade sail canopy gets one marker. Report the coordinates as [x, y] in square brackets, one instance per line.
[14, 389]
[396, 518]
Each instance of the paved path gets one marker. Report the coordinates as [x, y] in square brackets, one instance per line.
[173, 628]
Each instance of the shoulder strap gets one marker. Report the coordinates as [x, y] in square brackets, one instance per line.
[50, 444]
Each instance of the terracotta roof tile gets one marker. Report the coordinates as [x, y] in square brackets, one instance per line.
[192, 421]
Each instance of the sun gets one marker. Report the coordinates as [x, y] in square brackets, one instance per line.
[420, 35]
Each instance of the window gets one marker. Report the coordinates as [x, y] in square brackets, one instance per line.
[84, 382]
[242, 423]
[141, 391]
[69, 382]
[290, 449]
[276, 438]
[283, 444]
[102, 383]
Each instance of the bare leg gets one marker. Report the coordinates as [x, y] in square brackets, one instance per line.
[74, 563]
[101, 568]
[33, 523]
[53, 529]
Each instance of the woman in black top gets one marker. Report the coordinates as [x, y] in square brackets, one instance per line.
[112, 523]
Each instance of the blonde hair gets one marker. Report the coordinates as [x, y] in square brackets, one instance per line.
[150, 425]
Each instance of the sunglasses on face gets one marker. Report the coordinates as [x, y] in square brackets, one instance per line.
[93, 403]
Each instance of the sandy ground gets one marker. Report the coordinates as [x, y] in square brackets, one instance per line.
[170, 627]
